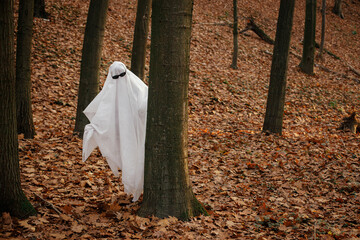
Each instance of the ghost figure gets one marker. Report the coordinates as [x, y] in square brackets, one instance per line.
[117, 126]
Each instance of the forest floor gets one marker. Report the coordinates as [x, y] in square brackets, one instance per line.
[304, 184]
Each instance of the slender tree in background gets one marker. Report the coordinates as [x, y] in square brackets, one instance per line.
[24, 114]
[276, 96]
[12, 198]
[307, 60]
[138, 55]
[90, 62]
[39, 9]
[323, 21]
[337, 9]
[167, 188]
[235, 36]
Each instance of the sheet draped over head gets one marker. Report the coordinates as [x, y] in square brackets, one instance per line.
[117, 126]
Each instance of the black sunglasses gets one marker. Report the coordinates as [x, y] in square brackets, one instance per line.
[120, 75]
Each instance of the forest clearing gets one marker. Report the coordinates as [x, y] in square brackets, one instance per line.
[304, 184]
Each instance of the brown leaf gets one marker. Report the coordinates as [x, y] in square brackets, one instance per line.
[66, 217]
[77, 227]
[67, 209]
[6, 221]
[25, 224]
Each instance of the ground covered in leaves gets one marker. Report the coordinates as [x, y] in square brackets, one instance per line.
[302, 185]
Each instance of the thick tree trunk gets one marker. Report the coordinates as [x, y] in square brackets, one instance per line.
[90, 63]
[138, 56]
[167, 189]
[307, 60]
[24, 114]
[276, 96]
[337, 9]
[39, 9]
[235, 36]
[12, 198]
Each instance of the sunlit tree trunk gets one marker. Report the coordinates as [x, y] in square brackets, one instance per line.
[24, 114]
[167, 188]
[235, 36]
[90, 62]
[12, 198]
[337, 9]
[276, 96]
[307, 60]
[138, 56]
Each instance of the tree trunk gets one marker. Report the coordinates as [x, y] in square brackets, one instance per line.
[90, 63]
[307, 60]
[337, 9]
[167, 188]
[138, 56]
[323, 19]
[276, 96]
[24, 115]
[235, 36]
[39, 9]
[12, 198]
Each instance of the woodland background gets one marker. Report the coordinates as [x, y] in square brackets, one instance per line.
[301, 185]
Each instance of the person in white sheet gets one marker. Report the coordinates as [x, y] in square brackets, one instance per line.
[117, 126]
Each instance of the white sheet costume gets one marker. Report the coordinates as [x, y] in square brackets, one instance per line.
[117, 125]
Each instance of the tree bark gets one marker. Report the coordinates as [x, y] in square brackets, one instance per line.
[90, 63]
[39, 9]
[337, 9]
[276, 96]
[323, 19]
[251, 25]
[235, 36]
[12, 198]
[138, 56]
[167, 188]
[307, 60]
[24, 114]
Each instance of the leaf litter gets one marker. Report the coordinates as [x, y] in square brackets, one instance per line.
[301, 185]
